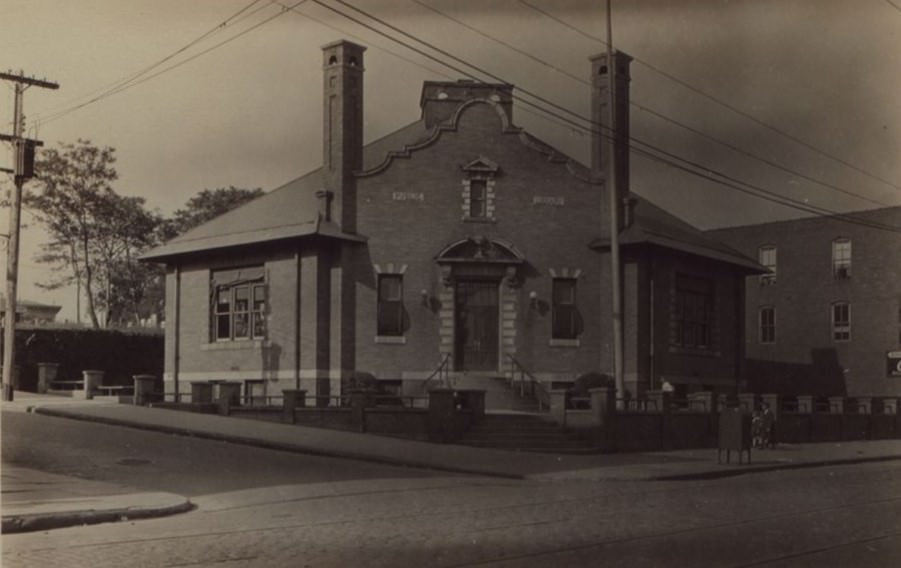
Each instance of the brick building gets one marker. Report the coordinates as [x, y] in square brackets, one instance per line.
[826, 319]
[457, 238]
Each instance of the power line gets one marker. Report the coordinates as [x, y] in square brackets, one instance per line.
[502, 42]
[127, 79]
[765, 194]
[657, 114]
[133, 83]
[357, 37]
[724, 104]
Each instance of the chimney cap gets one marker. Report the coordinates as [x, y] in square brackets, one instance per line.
[343, 42]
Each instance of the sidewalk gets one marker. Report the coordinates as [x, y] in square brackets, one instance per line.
[34, 501]
[672, 465]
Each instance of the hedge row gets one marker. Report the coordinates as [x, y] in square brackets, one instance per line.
[119, 353]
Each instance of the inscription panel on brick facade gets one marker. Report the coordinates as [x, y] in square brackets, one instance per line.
[407, 196]
[551, 200]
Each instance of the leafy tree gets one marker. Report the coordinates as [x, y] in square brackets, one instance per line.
[94, 232]
[207, 205]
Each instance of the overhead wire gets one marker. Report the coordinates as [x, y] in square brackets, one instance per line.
[724, 104]
[708, 172]
[135, 79]
[782, 200]
[655, 113]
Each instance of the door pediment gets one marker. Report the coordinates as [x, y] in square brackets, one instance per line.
[480, 257]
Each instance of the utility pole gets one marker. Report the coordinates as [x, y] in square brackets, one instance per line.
[614, 205]
[23, 170]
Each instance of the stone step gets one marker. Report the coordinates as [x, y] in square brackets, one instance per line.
[572, 447]
[515, 428]
[524, 432]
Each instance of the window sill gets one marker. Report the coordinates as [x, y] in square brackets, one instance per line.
[391, 339]
[235, 345]
[564, 342]
[479, 220]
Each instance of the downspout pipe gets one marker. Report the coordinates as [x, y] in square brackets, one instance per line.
[176, 325]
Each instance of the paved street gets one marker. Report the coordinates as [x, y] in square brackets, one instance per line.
[151, 461]
[836, 516]
[267, 508]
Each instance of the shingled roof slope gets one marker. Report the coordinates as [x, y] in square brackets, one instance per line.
[653, 225]
[290, 211]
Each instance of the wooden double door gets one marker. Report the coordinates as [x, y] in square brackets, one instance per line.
[477, 326]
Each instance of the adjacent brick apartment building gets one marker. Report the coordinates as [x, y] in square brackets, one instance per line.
[457, 238]
[826, 319]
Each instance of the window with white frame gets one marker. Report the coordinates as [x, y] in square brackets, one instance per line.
[478, 198]
[390, 317]
[766, 256]
[841, 321]
[239, 304]
[841, 258]
[564, 320]
[767, 324]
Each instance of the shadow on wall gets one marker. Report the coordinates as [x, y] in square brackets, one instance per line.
[823, 376]
[271, 357]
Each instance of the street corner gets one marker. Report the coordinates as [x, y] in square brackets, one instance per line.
[34, 516]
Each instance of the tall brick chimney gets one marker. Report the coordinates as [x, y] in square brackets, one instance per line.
[604, 118]
[342, 133]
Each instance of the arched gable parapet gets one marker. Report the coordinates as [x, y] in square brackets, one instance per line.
[451, 125]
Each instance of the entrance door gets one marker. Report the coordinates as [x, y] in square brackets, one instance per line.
[476, 303]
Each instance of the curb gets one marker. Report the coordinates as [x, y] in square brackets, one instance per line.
[385, 460]
[13, 524]
[280, 446]
[713, 474]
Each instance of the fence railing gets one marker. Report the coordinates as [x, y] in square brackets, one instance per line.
[441, 372]
[535, 388]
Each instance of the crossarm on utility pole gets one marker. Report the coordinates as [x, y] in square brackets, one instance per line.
[23, 170]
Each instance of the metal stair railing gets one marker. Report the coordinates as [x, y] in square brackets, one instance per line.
[536, 389]
[441, 372]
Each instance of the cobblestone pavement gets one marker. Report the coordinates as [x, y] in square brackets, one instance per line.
[825, 516]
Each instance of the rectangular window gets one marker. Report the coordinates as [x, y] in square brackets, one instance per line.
[478, 198]
[390, 305]
[766, 256]
[694, 312]
[234, 317]
[841, 258]
[564, 321]
[767, 319]
[841, 321]
[239, 310]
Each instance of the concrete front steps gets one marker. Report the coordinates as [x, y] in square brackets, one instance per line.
[524, 432]
[498, 394]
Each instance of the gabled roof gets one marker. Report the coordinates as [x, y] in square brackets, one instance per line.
[652, 225]
[292, 211]
[22, 305]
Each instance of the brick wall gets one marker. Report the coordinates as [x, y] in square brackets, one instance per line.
[805, 357]
[412, 210]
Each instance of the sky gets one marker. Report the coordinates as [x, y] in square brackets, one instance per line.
[800, 98]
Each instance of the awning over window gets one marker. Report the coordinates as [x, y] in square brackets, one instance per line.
[237, 276]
